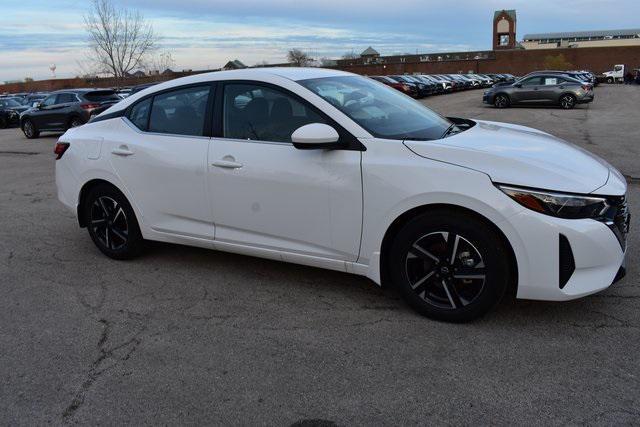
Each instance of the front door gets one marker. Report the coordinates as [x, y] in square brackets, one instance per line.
[529, 90]
[266, 193]
[47, 116]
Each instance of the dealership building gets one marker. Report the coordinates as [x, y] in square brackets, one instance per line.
[597, 51]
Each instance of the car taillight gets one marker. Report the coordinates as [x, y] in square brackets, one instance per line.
[586, 88]
[406, 87]
[60, 149]
[89, 106]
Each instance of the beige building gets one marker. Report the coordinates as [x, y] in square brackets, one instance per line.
[579, 39]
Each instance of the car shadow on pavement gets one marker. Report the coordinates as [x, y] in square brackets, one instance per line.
[343, 291]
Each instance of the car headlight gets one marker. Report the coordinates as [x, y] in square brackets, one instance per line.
[561, 205]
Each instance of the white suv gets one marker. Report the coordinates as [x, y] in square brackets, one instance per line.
[337, 171]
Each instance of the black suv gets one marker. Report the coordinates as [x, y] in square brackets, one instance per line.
[10, 110]
[65, 109]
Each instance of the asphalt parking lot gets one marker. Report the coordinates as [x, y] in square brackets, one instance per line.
[189, 336]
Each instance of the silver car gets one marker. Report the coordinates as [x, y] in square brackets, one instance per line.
[546, 89]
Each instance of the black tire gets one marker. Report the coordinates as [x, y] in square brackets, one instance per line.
[30, 130]
[567, 102]
[501, 101]
[75, 122]
[609, 80]
[437, 287]
[4, 123]
[112, 224]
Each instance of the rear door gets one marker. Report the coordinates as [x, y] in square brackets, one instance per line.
[64, 109]
[160, 154]
[551, 89]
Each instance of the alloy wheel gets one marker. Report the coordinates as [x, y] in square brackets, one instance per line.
[109, 223]
[567, 102]
[28, 129]
[445, 270]
[501, 101]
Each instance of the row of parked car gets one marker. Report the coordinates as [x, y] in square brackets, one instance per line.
[421, 85]
[59, 110]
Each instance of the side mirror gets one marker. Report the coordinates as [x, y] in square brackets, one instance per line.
[37, 105]
[518, 85]
[315, 136]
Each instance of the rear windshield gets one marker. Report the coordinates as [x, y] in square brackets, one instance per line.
[102, 96]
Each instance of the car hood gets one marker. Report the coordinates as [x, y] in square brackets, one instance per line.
[518, 155]
[19, 109]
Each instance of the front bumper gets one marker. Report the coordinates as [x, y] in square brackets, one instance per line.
[596, 253]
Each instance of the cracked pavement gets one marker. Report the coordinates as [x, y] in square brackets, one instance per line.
[186, 335]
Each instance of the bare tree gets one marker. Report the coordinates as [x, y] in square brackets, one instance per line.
[298, 58]
[159, 63]
[350, 55]
[119, 38]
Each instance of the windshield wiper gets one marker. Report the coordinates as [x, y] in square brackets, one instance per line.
[453, 128]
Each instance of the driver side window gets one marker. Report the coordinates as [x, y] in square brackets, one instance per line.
[260, 113]
[49, 101]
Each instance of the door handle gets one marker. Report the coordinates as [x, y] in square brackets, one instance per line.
[123, 150]
[227, 164]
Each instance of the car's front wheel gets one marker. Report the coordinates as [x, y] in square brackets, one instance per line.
[30, 130]
[112, 223]
[450, 265]
[501, 101]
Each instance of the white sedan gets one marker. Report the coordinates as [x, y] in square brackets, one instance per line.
[338, 171]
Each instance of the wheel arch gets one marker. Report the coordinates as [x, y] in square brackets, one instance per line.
[404, 218]
[73, 116]
[84, 191]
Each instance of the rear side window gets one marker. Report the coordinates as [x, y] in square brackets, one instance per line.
[532, 81]
[102, 96]
[66, 98]
[180, 112]
[139, 114]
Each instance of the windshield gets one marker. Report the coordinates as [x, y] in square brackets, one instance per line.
[9, 103]
[382, 111]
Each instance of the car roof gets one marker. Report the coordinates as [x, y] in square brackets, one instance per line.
[82, 90]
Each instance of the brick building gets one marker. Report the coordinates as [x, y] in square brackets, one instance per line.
[507, 55]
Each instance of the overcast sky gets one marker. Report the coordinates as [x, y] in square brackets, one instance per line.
[203, 34]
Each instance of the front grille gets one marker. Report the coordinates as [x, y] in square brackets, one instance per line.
[618, 218]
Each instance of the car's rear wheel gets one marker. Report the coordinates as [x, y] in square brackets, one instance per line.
[3, 122]
[112, 223]
[450, 265]
[30, 130]
[75, 122]
[567, 101]
[501, 101]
